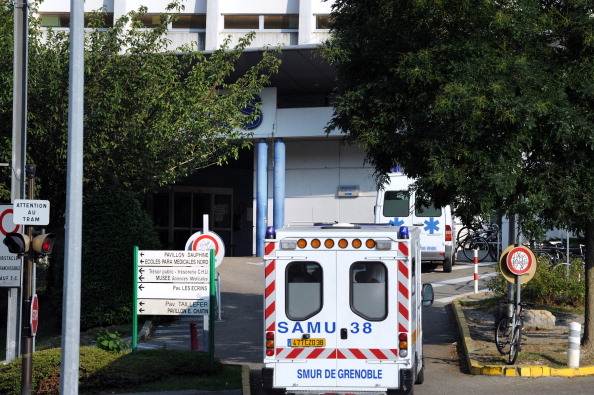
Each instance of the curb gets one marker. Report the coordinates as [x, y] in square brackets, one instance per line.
[246, 387]
[507, 370]
[145, 330]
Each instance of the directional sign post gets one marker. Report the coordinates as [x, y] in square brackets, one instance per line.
[171, 283]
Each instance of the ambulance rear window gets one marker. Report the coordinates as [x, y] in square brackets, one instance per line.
[430, 211]
[303, 290]
[396, 204]
[369, 287]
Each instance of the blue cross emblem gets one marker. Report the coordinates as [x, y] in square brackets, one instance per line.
[396, 222]
[431, 225]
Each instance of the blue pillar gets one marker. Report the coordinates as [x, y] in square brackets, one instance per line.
[279, 184]
[261, 196]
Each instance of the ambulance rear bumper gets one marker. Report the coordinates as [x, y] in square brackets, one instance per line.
[406, 385]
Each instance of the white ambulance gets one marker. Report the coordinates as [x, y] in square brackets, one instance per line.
[395, 205]
[342, 310]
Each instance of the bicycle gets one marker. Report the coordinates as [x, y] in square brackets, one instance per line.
[485, 240]
[508, 331]
[554, 254]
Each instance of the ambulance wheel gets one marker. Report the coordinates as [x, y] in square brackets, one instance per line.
[447, 265]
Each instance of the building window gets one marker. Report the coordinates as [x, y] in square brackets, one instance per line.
[281, 21]
[63, 19]
[190, 21]
[146, 21]
[242, 22]
[262, 22]
[107, 18]
[178, 213]
[323, 22]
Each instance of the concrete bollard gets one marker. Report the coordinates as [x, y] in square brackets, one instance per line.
[476, 275]
[573, 352]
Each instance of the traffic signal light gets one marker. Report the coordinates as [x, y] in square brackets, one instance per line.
[19, 243]
[44, 243]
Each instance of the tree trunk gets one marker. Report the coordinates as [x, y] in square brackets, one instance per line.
[588, 338]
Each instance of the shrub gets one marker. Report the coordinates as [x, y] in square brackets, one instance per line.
[46, 370]
[111, 342]
[102, 370]
[114, 223]
[550, 285]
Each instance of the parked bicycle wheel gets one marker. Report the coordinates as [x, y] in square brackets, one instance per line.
[515, 344]
[476, 243]
[463, 233]
[544, 257]
[502, 335]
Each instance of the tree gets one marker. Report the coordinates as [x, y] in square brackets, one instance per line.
[487, 103]
[152, 115]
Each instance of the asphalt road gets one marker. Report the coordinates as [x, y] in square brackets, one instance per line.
[239, 333]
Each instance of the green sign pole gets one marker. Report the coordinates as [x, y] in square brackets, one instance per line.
[211, 313]
[135, 303]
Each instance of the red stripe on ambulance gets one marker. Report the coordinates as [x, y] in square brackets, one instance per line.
[270, 293]
[402, 247]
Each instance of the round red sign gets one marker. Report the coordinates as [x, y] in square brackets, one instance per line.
[519, 260]
[34, 315]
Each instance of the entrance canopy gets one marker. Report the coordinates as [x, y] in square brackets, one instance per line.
[303, 70]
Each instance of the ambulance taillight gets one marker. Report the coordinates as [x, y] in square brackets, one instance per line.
[269, 344]
[448, 233]
[403, 344]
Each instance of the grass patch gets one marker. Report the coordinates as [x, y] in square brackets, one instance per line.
[228, 378]
[485, 304]
[104, 372]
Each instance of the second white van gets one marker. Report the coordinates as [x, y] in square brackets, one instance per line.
[395, 205]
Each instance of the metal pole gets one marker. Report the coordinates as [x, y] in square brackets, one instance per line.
[261, 196]
[279, 184]
[72, 256]
[518, 289]
[211, 322]
[19, 147]
[567, 255]
[135, 303]
[27, 335]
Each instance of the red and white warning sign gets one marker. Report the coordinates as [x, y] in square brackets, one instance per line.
[34, 315]
[10, 264]
[520, 260]
[206, 242]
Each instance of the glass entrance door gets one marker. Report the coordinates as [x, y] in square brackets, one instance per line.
[178, 212]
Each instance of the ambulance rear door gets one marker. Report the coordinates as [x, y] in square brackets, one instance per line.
[367, 319]
[337, 321]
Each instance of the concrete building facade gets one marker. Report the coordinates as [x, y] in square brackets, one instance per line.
[324, 179]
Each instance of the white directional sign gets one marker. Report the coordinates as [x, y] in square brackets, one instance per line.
[10, 264]
[31, 212]
[173, 290]
[173, 282]
[172, 307]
